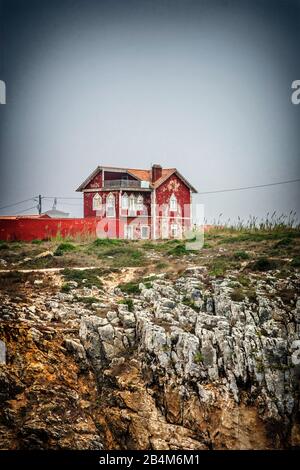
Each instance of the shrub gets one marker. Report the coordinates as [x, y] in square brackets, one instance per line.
[85, 277]
[64, 247]
[130, 288]
[108, 242]
[237, 295]
[65, 288]
[190, 303]
[4, 246]
[241, 255]
[296, 262]
[37, 242]
[128, 302]
[264, 264]
[198, 357]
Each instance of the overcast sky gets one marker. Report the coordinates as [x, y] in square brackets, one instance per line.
[202, 85]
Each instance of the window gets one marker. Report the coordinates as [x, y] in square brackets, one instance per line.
[173, 203]
[144, 232]
[140, 203]
[132, 208]
[174, 230]
[124, 203]
[110, 206]
[97, 202]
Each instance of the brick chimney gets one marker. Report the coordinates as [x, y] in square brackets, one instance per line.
[156, 172]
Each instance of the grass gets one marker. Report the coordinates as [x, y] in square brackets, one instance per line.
[237, 295]
[65, 288]
[89, 300]
[4, 246]
[64, 247]
[241, 255]
[295, 262]
[108, 242]
[85, 277]
[37, 242]
[128, 302]
[130, 288]
[264, 264]
[190, 303]
[198, 357]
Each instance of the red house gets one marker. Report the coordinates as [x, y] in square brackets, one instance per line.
[138, 204]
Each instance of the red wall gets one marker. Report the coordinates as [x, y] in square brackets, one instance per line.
[96, 181]
[33, 229]
[176, 186]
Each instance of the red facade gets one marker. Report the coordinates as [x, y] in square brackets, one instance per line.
[137, 204]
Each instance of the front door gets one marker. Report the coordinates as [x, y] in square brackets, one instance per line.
[130, 232]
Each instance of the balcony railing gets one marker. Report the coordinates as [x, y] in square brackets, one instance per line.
[118, 184]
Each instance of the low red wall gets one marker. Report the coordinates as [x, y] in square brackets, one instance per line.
[27, 229]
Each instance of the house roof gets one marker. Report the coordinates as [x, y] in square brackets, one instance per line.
[142, 175]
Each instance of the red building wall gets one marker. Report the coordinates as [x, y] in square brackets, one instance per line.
[27, 229]
[173, 185]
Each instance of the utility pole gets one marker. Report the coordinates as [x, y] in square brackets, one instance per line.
[40, 204]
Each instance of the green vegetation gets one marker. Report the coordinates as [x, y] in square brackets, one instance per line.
[4, 246]
[296, 262]
[109, 242]
[219, 266]
[65, 288]
[89, 300]
[85, 277]
[264, 264]
[198, 357]
[64, 247]
[37, 242]
[190, 303]
[128, 302]
[241, 255]
[237, 295]
[130, 288]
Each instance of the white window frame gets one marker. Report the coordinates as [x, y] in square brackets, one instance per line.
[110, 205]
[131, 205]
[174, 230]
[97, 202]
[148, 232]
[124, 201]
[140, 203]
[173, 203]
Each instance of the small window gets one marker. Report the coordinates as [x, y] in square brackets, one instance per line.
[140, 203]
[132, 206]
[174, 230]
[124, 204]
[144, 232]
[173, 203]
[97, 202]
[110, 206]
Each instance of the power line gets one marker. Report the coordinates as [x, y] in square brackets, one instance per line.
[25, 210]
[17, 203]
[60, 197]
[249, 187]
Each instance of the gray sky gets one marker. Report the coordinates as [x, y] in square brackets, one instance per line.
[201, 85]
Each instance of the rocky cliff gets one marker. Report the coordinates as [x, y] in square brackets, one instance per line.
[180, 363]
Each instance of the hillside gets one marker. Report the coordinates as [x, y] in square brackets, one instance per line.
[143, 345]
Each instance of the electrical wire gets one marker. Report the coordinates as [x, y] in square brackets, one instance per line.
[249, 187]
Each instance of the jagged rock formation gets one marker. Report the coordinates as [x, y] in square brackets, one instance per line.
[185, 367]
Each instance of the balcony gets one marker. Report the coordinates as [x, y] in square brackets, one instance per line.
[125, 184]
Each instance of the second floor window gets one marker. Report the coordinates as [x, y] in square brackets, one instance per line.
[124, 202]
[140, 203]
[97, 202]
[110, 206]
[132, 207]
[173, 203]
